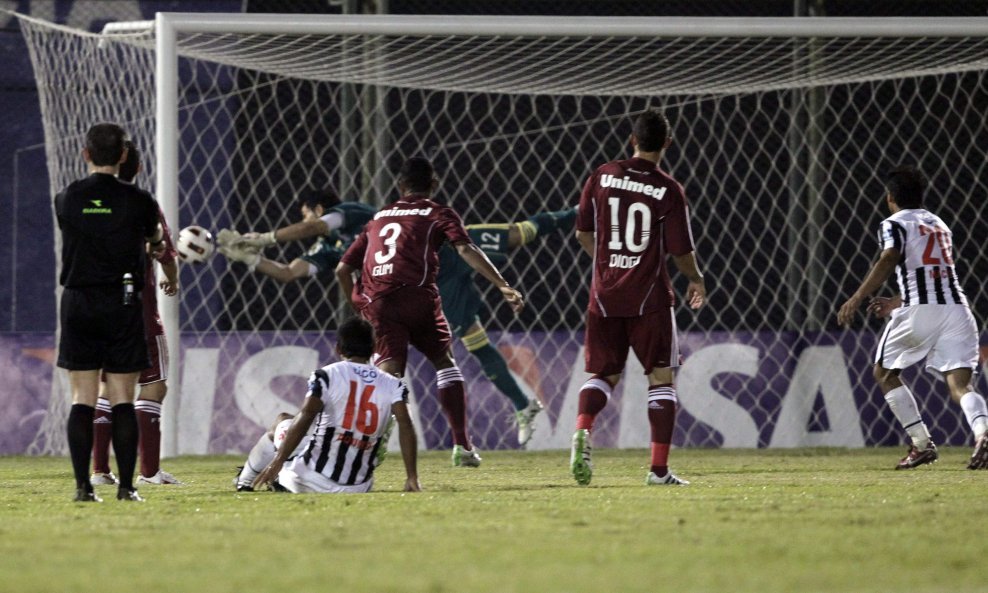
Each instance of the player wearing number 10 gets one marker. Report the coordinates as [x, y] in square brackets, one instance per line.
[929, 319]
[631, 215]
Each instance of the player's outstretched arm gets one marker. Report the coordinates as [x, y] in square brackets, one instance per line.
[408, 441]
[478, 260]
[696, 292]
[296, 432]
[879, 273]
[306, 229]
[284, 273]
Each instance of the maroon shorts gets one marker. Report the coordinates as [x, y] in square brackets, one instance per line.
[154, 331]
[410, 315]
[158, 353]
[651, 336]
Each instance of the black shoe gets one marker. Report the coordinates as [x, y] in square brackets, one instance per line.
[236, 482]
[916, 457]
[979, 459]
[83, 495]
[129, 494]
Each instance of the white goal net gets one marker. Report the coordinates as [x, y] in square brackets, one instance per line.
[783, 129]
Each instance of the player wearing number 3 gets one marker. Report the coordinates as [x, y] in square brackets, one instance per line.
[631, 215]
[397, 255]
[930, 319]
[350, 401]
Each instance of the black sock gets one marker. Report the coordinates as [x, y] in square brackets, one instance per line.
[79, 430]
[125, 443]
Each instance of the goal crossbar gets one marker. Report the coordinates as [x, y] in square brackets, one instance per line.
[532, 26]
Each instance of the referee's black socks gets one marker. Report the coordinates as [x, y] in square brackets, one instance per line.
[80, 434]
[125, 442]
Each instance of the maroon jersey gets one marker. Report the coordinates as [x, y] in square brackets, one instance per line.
[399, 246]
[152, 320]
[639, 214]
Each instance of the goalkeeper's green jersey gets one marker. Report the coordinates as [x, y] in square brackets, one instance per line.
[326, 252]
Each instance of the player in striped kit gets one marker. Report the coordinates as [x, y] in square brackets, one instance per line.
[929, 319]
[152, 381]
[397, 255]
[631, 215]
[350, 402]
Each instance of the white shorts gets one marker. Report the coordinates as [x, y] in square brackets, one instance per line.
[296, 477]
[945, 335]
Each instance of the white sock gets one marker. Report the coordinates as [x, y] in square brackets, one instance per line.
[259, 457]
[904, 407]
[976, 412]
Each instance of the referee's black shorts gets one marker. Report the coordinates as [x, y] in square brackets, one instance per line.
[100, 332]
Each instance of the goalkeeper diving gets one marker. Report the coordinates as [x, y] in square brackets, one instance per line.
[335, 224]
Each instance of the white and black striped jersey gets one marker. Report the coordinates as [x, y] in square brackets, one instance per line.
[357, 401]
[925, 272]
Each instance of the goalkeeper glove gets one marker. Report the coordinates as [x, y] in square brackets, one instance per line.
[228, 237]
[242, 254]
[259, 240]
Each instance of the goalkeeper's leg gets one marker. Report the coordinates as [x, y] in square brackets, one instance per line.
[541, 225]
[496, 369]
[498, 239]
[494, 365]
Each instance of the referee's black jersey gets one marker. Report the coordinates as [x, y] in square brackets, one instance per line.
[104, 224]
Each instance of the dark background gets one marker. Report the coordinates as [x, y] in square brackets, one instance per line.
[26, 248]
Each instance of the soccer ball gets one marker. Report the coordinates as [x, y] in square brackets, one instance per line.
[195, 244]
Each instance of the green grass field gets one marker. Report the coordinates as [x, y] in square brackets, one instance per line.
[760, 521]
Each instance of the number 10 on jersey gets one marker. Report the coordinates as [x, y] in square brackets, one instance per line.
[638, 222]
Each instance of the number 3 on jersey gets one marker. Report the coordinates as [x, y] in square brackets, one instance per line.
[366, 413]
[389, 237]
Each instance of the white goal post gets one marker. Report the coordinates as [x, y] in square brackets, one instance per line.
[782, 129]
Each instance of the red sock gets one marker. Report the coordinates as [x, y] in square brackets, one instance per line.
[453, 399]
[662, 419]
[149, 435]
[593, 397]
[102, 431]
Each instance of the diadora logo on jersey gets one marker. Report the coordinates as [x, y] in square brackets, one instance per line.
[403, 212]
[633, 186]
[97, 208]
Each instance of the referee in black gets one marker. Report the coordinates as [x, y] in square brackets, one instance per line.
[105, 226]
